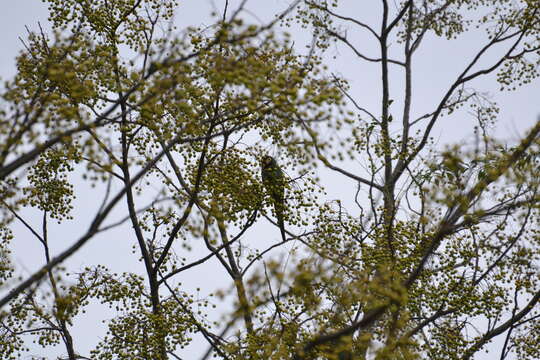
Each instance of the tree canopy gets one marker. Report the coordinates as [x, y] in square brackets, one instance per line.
[429, 250]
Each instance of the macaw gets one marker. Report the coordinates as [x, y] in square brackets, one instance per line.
[274, 182]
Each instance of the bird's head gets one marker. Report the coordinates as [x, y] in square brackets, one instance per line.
[267, 161]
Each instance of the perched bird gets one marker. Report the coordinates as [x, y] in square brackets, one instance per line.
[274, 182]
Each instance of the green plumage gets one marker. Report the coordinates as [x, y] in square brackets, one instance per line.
[274, 183]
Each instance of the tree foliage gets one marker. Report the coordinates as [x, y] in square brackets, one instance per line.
[431, 253]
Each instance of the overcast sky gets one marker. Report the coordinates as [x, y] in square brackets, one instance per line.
[437, 65]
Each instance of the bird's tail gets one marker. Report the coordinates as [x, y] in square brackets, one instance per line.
[281, 225]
